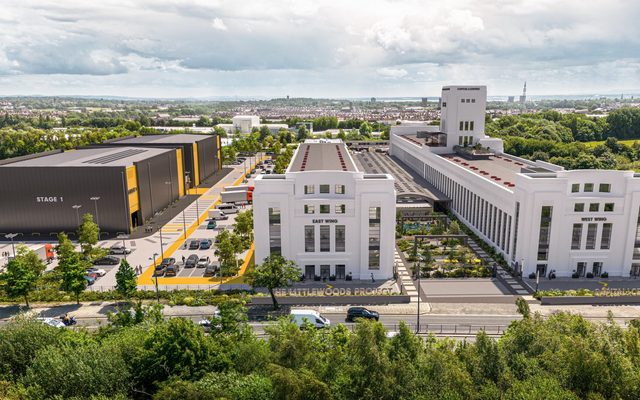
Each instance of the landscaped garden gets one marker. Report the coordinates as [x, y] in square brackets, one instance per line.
[443, 253]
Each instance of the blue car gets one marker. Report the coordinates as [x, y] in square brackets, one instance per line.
[205, 244]
[90, 280]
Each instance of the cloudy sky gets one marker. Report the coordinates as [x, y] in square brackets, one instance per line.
[317, 48]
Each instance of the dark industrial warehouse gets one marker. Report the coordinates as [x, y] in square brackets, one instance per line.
[200, 153]
[122, 187]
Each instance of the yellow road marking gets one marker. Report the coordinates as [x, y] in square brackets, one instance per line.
[146, 278]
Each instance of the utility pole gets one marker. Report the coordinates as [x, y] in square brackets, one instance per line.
[77, 208]
[156, 276]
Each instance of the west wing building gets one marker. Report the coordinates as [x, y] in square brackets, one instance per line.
[326, 215]
[47, 193]
[538, 215]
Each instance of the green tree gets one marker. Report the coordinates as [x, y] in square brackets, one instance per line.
[243, 224]
[365, 129]
[342, 136]
[523, 307]
[126, 280]
[71, 266]
[228, 246]
[220, 131]
[303, 133]
[274, 272]
[88, 236]
[22, 273]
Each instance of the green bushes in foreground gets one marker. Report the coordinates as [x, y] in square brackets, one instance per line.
[561, 357]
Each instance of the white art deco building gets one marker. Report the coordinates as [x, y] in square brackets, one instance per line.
[326, 215]
[538, 215]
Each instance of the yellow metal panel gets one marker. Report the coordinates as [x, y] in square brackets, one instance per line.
[180, 172]
[132, 189]
[219, 152]
[196, 165]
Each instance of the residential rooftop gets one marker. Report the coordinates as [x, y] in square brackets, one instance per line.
[180, 138]
[89, 157]
[322, 155]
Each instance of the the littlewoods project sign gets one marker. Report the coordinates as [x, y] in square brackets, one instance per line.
[333, 292]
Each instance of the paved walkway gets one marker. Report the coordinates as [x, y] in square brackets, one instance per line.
[404, 277]
[503, 276]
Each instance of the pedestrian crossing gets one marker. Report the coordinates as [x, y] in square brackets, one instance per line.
[405, 278]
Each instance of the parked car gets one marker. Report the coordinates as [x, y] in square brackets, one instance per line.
[97, 271]
[203, 262]
[211, 224]
[360, 312]
[205, 244]
[107, 260]
[299, 317]
[191, 262]
[210, 270]
[118, 248]
[162, 267]
[52, 322]
[172, 270]
[90, 279]
[194, 244]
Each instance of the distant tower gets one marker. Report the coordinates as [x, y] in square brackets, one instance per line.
[373, 99]
[523, 98]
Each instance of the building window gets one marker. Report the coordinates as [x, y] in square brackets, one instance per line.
[340, 208]
[592, 231]
[597, 268]
[636, 246]
[309, 209]
[461, 125]
[325, 271]
[325, 238]
[339, 189]
[309, 238]
[325, 208]
[588, 187]
[604, 188]
[324, 188]
[605, 241]
[608, 207]
[473, 100]
[576, 237]
[444, 104]
[594, 207]
[309, 271]
[460, 140]
[466, 125]
[471, 123]
[275, 233]
[461, 100]
[309, 189]
[340, 238]
[515, 231]
[575, 188]
[578, 207]
[545, 232]
[374, 237]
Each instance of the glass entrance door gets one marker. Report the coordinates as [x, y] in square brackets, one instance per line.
[581, 269]
[309, 272]
[340, 271]
[325, 271]
[597, 269]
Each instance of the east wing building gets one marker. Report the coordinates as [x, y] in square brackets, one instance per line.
[539, 216]
[200, 154]
[47, 193]
[326, 215]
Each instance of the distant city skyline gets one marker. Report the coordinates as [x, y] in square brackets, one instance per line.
[317, 48]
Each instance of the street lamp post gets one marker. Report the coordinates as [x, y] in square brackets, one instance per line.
[161, 243]
[156, 276]
[95, 202]
[77, 208]
[184, 225]
[419, 294]
[11, 236]
[124, 247]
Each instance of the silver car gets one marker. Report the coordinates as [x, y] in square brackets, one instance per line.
[119, 249]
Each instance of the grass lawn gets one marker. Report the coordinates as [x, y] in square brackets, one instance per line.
[597, 142]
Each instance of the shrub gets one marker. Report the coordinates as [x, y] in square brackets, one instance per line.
[575, 275]
[589, 275]
[604, 275]
[532, 275]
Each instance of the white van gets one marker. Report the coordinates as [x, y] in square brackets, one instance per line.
[217, 215]
[313, 317]
[227, 208]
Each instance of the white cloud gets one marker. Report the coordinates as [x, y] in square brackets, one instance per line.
[218, 24]
[392, 72]
[352, 47]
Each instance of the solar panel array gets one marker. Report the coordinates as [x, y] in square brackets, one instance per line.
[109, 158]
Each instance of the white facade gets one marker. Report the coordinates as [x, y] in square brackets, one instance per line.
[328, 217]
[244, 123]
[536, 214]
